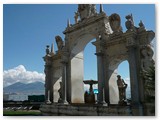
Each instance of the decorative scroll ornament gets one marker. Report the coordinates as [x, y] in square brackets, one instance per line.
[115, 22]
[59, 42]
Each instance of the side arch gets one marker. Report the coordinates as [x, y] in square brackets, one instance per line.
[113, 72]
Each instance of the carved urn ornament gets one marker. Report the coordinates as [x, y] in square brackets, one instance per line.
[115, 22]
[47, 49]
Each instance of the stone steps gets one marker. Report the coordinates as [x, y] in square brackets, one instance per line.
[84, 110]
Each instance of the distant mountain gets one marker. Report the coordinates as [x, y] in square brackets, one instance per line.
[30, 88]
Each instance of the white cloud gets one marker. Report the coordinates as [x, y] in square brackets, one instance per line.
[20, 74]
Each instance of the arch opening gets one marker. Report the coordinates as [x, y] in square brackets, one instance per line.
[123, 70]
[77, 68]
[118, 67]
[90, 67]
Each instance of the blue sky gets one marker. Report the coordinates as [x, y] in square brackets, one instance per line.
[27, 29]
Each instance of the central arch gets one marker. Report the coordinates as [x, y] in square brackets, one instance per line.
[77, 36]
[90, 60]
[77, 68]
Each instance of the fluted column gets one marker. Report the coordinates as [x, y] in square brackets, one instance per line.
[107, 77]
[64, 82]
[47, 84]
[135, 95]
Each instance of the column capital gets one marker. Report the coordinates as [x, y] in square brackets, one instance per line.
[65, 57]
[64, 62]
[131, 42]
[100, 53]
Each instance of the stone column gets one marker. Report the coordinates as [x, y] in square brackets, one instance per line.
[107, 95]
[48, 97]
[51, 84]
[64, 82]
[100, 70]
[135, 97]
[47, 84]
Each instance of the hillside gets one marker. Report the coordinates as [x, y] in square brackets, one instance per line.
[31, 88]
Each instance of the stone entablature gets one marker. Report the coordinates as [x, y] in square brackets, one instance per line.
[87, 22]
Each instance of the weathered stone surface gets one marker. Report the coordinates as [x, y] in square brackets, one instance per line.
[67, 64]
[149, 109]
[85, 110]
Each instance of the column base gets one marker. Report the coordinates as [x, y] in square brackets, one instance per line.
[122, 102]
[137, 109]
[64, 102]
[102, 103]
[60, 100]
[48, 102]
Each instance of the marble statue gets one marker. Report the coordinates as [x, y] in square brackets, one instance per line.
[141, 27]
[60, 93]
[146, 54]
[93, 9]
[129, 23]
[122, 89]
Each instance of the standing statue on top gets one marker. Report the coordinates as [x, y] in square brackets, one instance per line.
[130, 23]
[122, 90]
[86, 10]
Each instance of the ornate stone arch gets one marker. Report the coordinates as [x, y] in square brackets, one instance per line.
[111, 50]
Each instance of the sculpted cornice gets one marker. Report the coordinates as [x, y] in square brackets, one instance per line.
[86, 22]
